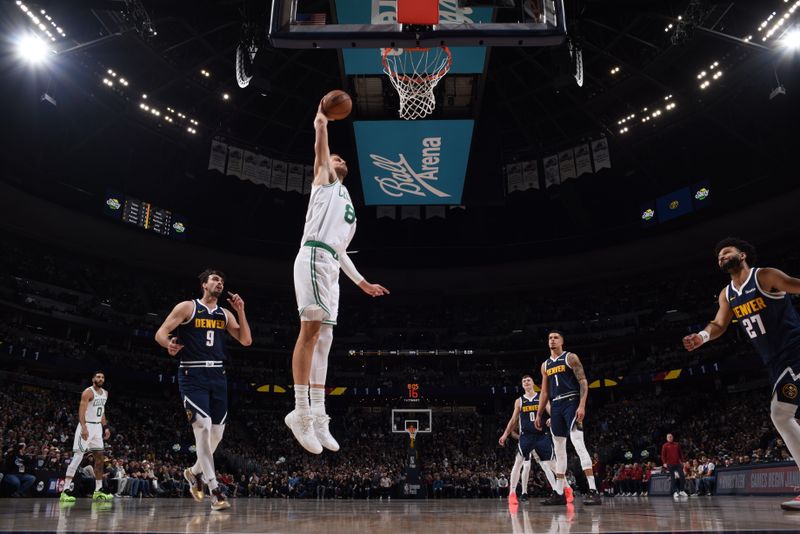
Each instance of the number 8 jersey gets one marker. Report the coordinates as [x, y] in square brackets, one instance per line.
[330, 218]
[770, 322]
[202, 335]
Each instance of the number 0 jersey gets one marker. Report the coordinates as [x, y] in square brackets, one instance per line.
[330, 218]
[202, 335]
[97, 406]
[770, 322]
[528, 408]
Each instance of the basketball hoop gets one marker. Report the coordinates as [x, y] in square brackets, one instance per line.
[412, 434]
[414, 72]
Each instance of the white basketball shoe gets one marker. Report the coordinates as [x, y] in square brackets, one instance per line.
[323, 433]
[302, 426]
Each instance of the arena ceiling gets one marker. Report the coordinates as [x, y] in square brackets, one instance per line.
[526, 106]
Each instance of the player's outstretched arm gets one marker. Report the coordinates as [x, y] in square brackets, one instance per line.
[775, 281]
[583, 384]
[373, 290]
[511, 423]
[715, 328]
[240, 329]
[544, 395]
[178, 315]
[322, 152]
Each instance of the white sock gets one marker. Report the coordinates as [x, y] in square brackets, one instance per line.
[301, 398]
[67, 482]
[560, 486]
[526, 472]
[205, 456]
[592, 485]
[317, 400]
[515, 472]
[98, 485]
[216, 437]
[547, 467]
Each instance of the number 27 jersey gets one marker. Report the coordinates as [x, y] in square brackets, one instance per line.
[770, 322]
[202, 335]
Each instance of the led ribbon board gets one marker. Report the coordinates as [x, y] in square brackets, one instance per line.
[413, 162]
[466, 60]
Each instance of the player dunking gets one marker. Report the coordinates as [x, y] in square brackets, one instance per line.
[531, 441]
[564, 384]
[759, 299]
[89, 435]
[329, 227]
[200, 326]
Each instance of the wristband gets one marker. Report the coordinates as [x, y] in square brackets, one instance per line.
[705, 336]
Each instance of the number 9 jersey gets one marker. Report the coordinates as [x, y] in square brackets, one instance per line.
[202, 335]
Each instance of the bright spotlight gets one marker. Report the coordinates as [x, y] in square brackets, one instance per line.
[32, 49]
[792, 39]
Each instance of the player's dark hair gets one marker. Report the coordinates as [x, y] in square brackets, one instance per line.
[98, 373]
[554, 331]
[741, 245]
[526, 376]
[203, 277]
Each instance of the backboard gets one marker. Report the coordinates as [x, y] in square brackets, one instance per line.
[419, 418]
[373, 24]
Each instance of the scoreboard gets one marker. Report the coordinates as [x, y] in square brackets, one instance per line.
[145, 215]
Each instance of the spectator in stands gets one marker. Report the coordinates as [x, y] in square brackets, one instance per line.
[672, 459]
[708, 478]
[17, 464]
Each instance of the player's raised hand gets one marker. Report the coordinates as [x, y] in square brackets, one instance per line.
[174, 347]
[692, 341]
[373, 290]
[236, 302]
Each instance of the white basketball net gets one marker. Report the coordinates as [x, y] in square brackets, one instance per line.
[414, 72]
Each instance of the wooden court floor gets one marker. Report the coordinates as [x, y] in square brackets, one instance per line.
[655, 514]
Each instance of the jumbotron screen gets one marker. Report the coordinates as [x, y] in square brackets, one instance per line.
[145, 215]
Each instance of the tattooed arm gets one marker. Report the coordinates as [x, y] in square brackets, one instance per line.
[577, 367]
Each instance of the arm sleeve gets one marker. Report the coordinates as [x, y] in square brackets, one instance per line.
[350, 269]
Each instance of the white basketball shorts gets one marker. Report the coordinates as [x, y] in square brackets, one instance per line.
[316, 285]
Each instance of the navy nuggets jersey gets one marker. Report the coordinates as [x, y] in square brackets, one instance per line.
[560, 378]
[770, 322]
[528, 408]
[202, 335]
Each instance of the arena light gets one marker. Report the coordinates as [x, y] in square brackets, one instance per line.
[791, 40]
[614, 71]
[32, 49]
[41, 23]
[226, 96]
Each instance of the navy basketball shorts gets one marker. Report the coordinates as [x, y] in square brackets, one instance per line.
[562, 416]
[204, 393]
[786, 388]
[535, 441]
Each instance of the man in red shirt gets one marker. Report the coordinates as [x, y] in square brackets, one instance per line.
[636, 480]
[672, 458]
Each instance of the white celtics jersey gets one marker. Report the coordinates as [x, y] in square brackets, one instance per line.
[97, 406]
[330, 218]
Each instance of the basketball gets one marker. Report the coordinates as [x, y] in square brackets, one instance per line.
[336, 104]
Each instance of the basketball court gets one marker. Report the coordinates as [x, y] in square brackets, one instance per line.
[733, 514]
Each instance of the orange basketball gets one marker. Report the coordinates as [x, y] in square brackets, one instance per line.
[336, 105]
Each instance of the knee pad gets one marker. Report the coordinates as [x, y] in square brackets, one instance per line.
[576, 436]
[560, 445]
[319, 361]
[201, 423]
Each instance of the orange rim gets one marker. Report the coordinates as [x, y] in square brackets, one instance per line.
[407, 79]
